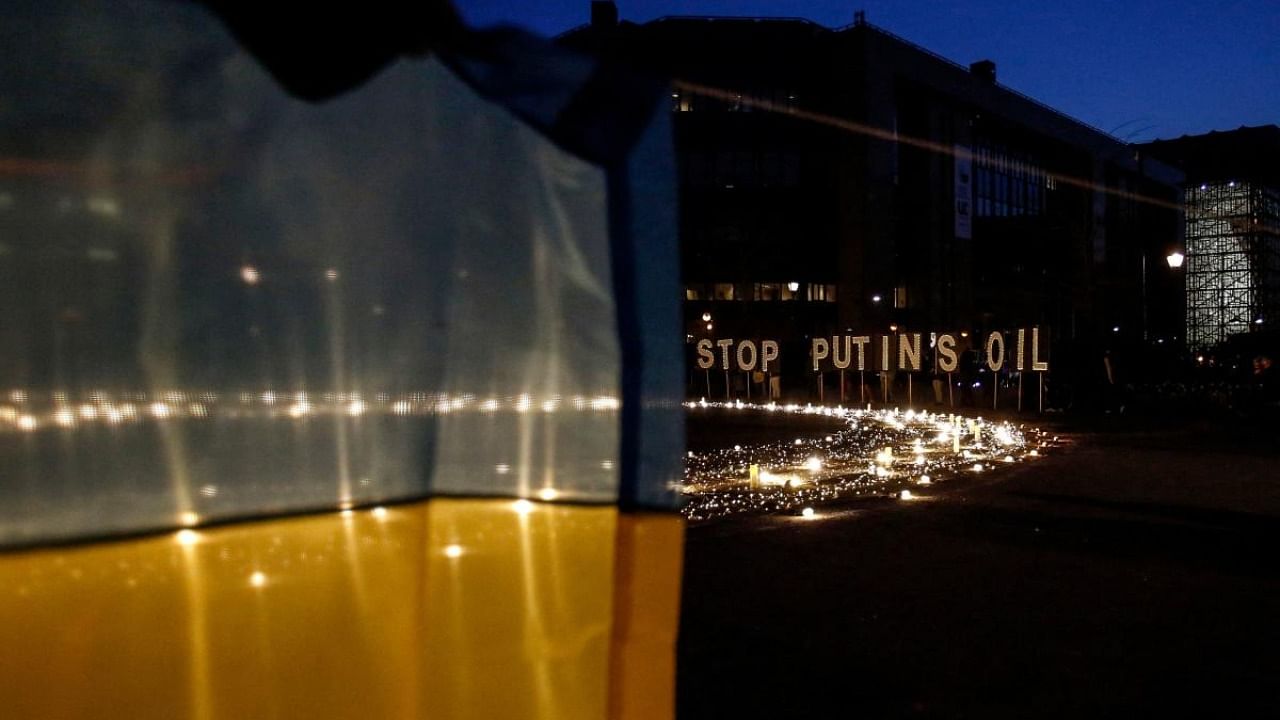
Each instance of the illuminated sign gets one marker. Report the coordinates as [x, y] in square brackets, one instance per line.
[1020, 349]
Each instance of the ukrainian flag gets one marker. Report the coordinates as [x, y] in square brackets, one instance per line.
[350, 394]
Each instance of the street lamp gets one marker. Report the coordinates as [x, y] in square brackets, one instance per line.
[1175, 260]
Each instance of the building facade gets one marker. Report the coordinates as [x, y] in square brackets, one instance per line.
[847, 179]
[1232, 231]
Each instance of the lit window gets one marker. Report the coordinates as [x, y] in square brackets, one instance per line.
[767, 291]
[724, 291]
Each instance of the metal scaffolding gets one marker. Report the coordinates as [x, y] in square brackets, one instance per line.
[1233, 260]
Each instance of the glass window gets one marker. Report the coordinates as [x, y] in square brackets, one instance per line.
[724, 291]
[900, 297]
[698, 172]
[770, 169]
[724, 168]
[744, 173]
[790, 169]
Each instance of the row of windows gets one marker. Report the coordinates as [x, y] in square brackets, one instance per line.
[752, 100]
[741, 169]
[761, 292]
[1008, 182]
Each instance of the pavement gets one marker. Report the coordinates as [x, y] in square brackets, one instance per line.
[1132, 572]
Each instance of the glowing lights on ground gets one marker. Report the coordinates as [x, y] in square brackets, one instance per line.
[453, 551]
[813, 464]
[548, 494]
[522, 507]
[906, 495]
[868, 458]
[187, 537]
[807, 513]
[1004, 436]
[250, 275]
[379, 513]
[356, 408]
[258, 579]
[784, 480]
[188, 519]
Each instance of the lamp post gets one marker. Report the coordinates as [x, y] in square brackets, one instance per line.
[1174, 260]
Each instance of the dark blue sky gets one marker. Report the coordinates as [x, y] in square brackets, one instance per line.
[1143, 69]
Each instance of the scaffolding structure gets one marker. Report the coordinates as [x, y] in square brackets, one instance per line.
[1232, 260]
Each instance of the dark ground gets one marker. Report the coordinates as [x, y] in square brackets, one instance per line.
[1134, 572]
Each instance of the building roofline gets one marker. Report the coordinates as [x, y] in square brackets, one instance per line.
[745, 19]
[1210, 133]
[948, 61]
[740, 18]
[1069, 129]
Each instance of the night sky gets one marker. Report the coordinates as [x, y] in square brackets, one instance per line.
[1141, 69]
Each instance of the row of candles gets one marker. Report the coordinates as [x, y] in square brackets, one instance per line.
[887, 452]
